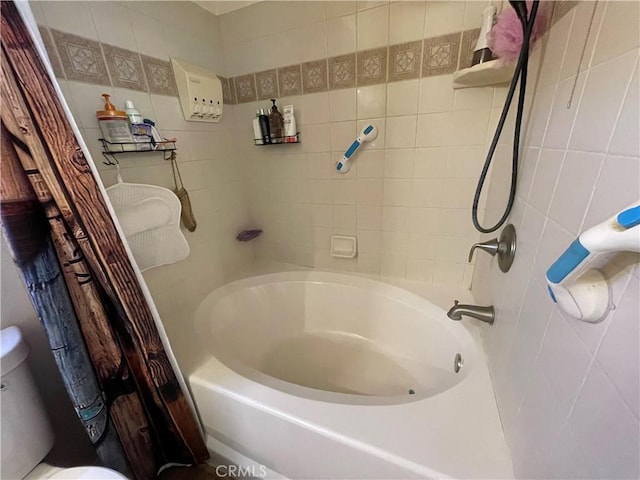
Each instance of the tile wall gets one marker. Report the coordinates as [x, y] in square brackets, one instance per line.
[123, 48]
[568, 392]
[343, 65]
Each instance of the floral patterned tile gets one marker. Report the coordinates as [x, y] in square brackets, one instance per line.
[314, 76]
[342, 71]
[440, 54]
[290, 80]
[159, 76]
[245, 86]
[405, 61]
[52, 53]
[81, 58]
[226, 91]
[232, 91]
[372, 66]
[125, 68]
[469, 41]
[267, 84]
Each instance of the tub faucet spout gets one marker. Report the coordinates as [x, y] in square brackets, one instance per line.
[484, 314]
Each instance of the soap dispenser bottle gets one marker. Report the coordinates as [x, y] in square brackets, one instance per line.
[276, 124]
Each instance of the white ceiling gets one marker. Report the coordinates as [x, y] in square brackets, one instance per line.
[220, 7]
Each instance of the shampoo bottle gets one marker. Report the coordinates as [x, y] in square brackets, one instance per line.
[257, 132]
[263, 119]
[276, 124]
[290, 127]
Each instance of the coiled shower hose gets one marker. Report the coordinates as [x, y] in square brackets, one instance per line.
[521, 75]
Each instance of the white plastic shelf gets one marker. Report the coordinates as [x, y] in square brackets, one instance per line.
[483, 74]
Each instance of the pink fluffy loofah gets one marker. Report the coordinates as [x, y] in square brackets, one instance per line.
[505, 38]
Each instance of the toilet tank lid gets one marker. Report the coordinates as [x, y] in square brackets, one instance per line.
[13, 349]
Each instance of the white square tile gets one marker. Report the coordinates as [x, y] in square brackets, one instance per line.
[603, 94]
[377, 143]
[406, 22]
[422, 246]
[420, 270]
[399, 163]
[401, 132]
[574, 188]
[430, 162]
[443, 17]
[372, 101]
[469, 127]
[315, 109]
[618, 353]
[344, 192]
[341, 35]
[565, 459]
[371, 164]
[561, 118]
[458, 192]
[607, 433]
[402, 97]
[425, 221]
[578, 35]
[369, 217]
[344, 216]
[338, 9]
[342, 135]
[370, 241]
[395, 219]
[626, 137]
[105, 16]
[473, 98]
[436, 94]
[321, 216]
[319, 191]
[397, 192]
[565, 361]
[619, 32]
[319, 165]
[545, 178]
[427, 193]
[370, 191]
[433, 130]
[369, 263]
[394, 266]
[448, 273]
[394, 243]
[373, 28]
[342, 105]
[617, 188]
[70, 17]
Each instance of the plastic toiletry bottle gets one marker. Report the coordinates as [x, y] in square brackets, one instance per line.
[257, 132]
[132, 113]
[114, 124]
[264, 127]
[482, 53]
[276, 124]
[290, 128]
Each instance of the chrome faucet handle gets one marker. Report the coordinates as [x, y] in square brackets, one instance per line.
[505, 248]
[491, 247]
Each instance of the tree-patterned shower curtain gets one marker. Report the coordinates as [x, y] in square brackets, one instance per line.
[80, 279]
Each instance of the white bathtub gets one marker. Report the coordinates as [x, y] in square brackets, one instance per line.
[323, 375]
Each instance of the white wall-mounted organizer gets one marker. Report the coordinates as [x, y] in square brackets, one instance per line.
[343, 246]
[200, 92]
[581, 291]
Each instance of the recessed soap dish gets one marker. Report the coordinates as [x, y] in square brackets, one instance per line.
[343, 246]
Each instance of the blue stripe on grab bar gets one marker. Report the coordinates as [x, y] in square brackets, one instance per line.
[354, 146]
[629, 218]
[568, 261]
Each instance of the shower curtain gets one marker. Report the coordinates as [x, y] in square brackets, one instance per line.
[102, 330]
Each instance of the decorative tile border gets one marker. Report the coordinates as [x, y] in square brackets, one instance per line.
[314, 76]
[290, 80]
[81, 58]
[267, 84]
[372, 66]
[441, 54]
[125, 68]
[469, 41]
[405, 61]
[342, 71]
[86, 60]
[245, 86]
[52, 53]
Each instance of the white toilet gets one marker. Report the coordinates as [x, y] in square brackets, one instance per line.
[27, 436]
